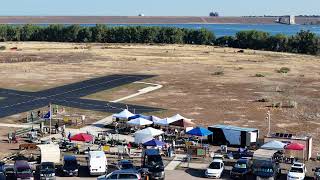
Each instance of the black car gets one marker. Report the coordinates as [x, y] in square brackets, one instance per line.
[241, 169]
[47, 171]
[9, 171]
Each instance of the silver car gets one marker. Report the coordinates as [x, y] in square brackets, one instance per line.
[128, 174]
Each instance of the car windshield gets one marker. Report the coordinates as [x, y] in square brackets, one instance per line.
[240, 165]
[127, 166]
[215, 165]
[296, 170]
[266, 170]
[23, 171]
[47, 166]
[155, 162]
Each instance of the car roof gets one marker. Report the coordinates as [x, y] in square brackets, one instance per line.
[152, 152]
[217, 160]
[243, 161]
[125, 161]
[125, 171]
[21, 163]
[297, 164]
[69, 158]
[47, 163]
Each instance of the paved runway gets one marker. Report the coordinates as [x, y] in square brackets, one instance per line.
[70, 95]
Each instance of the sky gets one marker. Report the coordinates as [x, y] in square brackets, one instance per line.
[158, 7]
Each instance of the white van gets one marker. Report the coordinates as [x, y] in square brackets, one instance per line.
[97, 163]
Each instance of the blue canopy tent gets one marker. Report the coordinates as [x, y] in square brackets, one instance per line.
[154, 143]
[199, 131]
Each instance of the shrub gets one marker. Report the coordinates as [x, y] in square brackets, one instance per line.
[218, 73]
[259, 75]
[2, 48]
[283, 70]
[264, 99]
[276, 105]
[292, 104]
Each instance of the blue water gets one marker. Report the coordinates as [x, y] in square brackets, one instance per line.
[232, 29]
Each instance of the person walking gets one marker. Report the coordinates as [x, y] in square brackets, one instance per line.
[129, 148]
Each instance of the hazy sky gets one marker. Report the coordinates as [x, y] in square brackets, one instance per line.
[159, 7]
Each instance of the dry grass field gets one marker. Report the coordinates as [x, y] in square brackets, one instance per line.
[209, 84]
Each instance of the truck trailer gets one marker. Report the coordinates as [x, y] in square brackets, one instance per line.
[233, 136]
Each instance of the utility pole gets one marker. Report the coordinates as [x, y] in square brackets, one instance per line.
[50, 118]
[269, 121]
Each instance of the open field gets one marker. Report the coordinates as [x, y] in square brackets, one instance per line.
[209, 84]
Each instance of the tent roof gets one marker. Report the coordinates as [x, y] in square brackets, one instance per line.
[139, 122]
[183, 123]
[295, 146]
[273, 145]
[221, 126]
[82, 137]
[178, 117]
[264, 154]
[49, 153]
[149, 132]
[154, 142]
[125, 114]
[199, 131]
[165, 121]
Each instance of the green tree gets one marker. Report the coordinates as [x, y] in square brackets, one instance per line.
[278, 42]
[3, 32]
[98, 32]
[229, 41]
[26, 32]
[252, 39]
[305, 42]
[84, 35]
[70, 33]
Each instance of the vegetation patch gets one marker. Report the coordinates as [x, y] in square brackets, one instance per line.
[259, 75]
[2, 48]
[283, 70]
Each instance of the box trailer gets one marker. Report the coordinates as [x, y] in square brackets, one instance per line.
[233, 136]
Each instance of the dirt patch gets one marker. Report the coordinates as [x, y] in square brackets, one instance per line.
[188, 74]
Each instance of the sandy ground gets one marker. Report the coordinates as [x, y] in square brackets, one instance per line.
[209, 84]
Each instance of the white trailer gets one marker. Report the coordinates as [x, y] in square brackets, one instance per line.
[97, 163]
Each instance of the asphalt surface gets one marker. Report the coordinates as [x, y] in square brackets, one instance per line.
[15, 102]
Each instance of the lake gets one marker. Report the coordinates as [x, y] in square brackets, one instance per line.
[232, 29]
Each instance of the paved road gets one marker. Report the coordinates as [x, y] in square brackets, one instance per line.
[70, 95]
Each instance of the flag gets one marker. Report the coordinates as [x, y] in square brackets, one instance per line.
[47, 116]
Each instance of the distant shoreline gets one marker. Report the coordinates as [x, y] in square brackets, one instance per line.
[135, 20]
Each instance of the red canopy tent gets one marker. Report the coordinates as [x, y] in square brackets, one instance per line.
[295, 146]
[82, 137]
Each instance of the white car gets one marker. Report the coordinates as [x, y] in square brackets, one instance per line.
[297, 172]
[215, 169]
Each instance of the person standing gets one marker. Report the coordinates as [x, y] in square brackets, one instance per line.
[129, 148]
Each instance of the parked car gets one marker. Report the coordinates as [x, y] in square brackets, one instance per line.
[153, 164]
[23, 170]
[215, 169]
[316, 173]
[297, 171]
[70, 166]
[128, 174]
[241, 169]
[47, 171]
[125, 164]
[9, 171]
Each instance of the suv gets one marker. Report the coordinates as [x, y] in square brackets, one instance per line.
[297, 171]
[215, 169]
[70, 166]
[121, 174]
[241, 169]
[47, 171]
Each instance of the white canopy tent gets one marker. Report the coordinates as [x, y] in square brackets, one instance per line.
[125, 114]
[165, 121]
[155, 118]
[178, 117]
[146, 134]
[139, 122]
[274, 145]
[50, 153]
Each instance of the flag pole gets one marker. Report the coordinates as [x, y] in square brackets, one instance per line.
[50, 118]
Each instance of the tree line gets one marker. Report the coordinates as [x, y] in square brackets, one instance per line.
[105, 34]
[304, 42]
